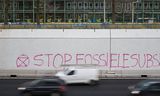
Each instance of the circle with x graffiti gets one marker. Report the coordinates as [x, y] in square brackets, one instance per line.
[23, 61]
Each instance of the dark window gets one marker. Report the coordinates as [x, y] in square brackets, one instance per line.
[71, 73]
[150, 5]
[51, 83]
[48, 83]
[155, 86]
[140, 5]
[86, 4]
[69, 4]
[101, 4]
[90, 5]
[96, 4]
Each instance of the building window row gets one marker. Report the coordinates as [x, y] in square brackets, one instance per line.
[71, 5]
[148, 5]
[87, 5]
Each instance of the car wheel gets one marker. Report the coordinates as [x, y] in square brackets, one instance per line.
[93, 82]
[55, 94]
[27, 94]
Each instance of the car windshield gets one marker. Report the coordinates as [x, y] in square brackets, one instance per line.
[143, 84]
[67, 70]
[35, 82]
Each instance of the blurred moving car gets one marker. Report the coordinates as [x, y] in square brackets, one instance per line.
[51, 87]
[79, 75]
[145, 88]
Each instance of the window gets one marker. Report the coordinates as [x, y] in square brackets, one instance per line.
[140, 6]
[156, 5]
[68, 5]
[96, 5]
[47, 83]
[71, 73]
[51, 83]
[90, 5]
[151, 6]
[146, 5]
[86, 5]
[155, 87]
[101, 5]
[80, 5]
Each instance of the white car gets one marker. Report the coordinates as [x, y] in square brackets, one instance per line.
[79, 75]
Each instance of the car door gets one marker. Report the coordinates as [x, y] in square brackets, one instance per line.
[37, 88]
[71, 76]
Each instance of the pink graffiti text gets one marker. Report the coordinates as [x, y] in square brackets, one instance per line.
[112, 60]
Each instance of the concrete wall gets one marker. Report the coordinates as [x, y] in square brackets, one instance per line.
[121, 52]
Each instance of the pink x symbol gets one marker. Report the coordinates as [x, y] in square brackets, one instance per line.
[22, 61]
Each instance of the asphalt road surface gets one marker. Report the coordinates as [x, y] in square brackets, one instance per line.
[108, 87]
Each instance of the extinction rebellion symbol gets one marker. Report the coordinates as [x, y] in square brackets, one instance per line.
[23, 61]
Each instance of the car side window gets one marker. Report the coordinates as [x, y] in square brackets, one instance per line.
[51, 83]
[155, 86]
[48, 83]
[71, 72]
[41, 83]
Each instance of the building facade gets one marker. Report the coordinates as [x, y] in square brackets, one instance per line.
[75, 11]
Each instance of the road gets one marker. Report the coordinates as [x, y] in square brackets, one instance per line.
[108, 87]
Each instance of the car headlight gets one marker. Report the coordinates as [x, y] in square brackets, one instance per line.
[135, 92]
[21, 88]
